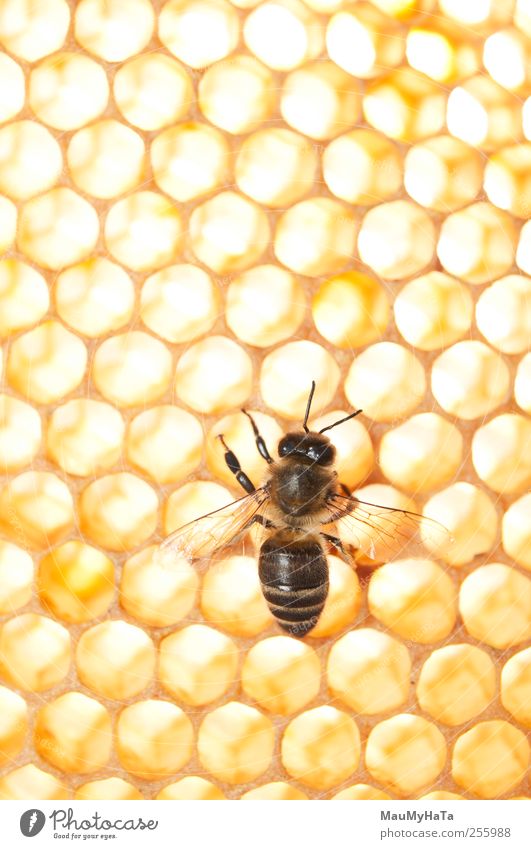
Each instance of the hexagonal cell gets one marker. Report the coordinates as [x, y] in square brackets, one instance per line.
[131, 369]
[107, 788]
[96, 23]
[443, 173]
[106, 159]
[115, 660]
[57, 228]
[46, 363]
[415, 598]
[118, 511]
[36, 509]
[350, 310]
[516, 531]
[456, 683]
[275, 167]
[24, 297]
[516, 686]
[30, 782]
[343, 601]
[20, 433]
[143, 231]
[369, 671]
[76, 582]
[316, 236]
[158, 594]
[441, 51]
[477, 244]
[84, 436]
[73, 733]
[232, 598]
[189, 160]
[35, 652]
[8, 222]
[405, 753]
[421, 454]
[13, 86]
[433, 311]
[522, 384]
[68, 90]
[490, 759]
[387, 381]
[16, 577]
[192, 500]
[154, 739]
[30, 159]
[287, 375]
[197, 665]
[13, 725]
[191, 787]
[471, 518]
[152, 90]
[33, 32]
[495, 603]
[500, 453]
[237, 94]
[275, 791]
[165, 443]
[214, 375]
[503, 313]
[94, 297]
[321, 747]
[469, 380]
[182, 30]
[281, 674]
[361, 792]
[320, 100]
[364, 41]
[362, 167]
[228, 232]
[283, 34]
[397, 239]
[483, 114]
[179, 303]
[405, 105]
[235, 743]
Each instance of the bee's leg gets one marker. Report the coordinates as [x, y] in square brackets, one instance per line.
[260, 441]
[234, 465]
[336, 542]
[261, 520]
[345, 489]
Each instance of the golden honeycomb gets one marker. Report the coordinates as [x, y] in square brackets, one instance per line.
[205, 205]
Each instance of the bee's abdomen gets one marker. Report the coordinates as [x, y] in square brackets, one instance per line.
[294, 577]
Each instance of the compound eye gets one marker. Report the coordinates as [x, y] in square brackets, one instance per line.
[286, 446]
[326, 455]
[322, 454]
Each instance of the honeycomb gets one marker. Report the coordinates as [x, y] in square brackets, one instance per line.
[207, 204]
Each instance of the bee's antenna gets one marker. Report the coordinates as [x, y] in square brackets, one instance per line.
[340, 421]
[308, 405]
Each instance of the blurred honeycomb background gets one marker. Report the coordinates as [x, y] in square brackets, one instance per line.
[207, 204]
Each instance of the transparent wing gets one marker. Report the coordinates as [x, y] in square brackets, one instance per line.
[213, 531]
[385, 532]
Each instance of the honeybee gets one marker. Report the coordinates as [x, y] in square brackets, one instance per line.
[296, 506]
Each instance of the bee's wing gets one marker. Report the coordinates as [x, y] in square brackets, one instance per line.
[213, 531]
[385, 532]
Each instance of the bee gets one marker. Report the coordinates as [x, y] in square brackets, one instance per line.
[296, 507]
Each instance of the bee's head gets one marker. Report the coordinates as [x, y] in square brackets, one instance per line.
[310, 446]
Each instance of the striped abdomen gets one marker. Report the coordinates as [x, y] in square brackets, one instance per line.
[294, 576]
